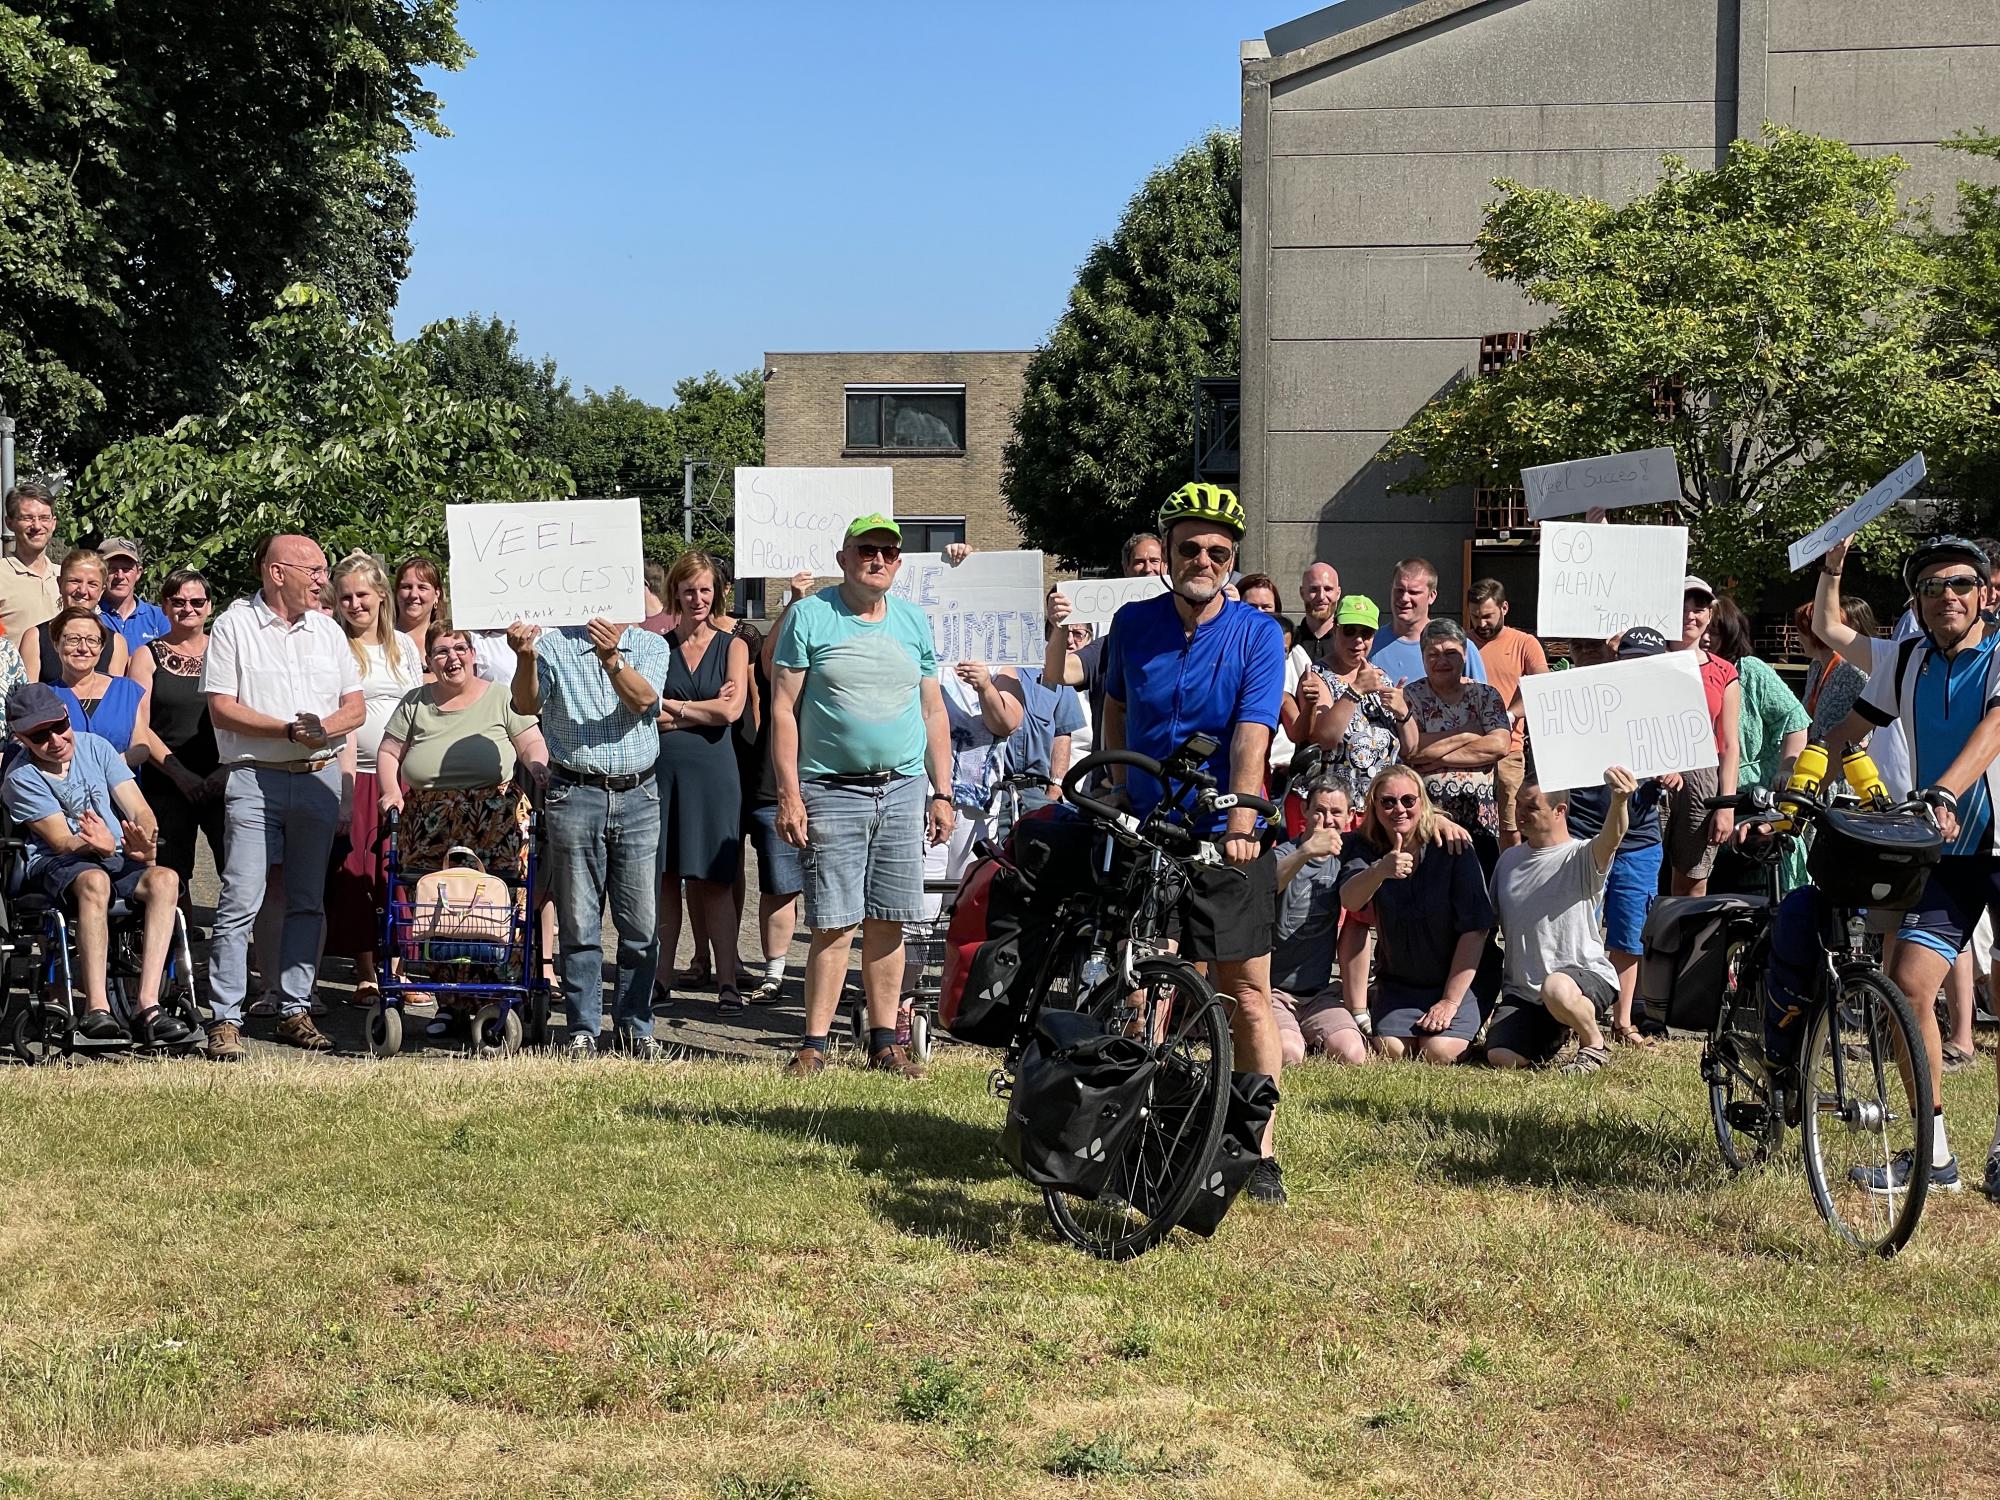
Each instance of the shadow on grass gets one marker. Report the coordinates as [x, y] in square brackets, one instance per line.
[918, 1165]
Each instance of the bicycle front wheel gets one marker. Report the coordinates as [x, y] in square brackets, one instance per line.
[1162, 1165]
[1865, 1114]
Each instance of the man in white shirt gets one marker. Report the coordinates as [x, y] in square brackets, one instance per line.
[284, 693]
[28, 592]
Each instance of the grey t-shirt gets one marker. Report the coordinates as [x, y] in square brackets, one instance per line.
[1547, 904]
[1308, 918]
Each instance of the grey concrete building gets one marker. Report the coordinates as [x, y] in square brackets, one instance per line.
[1372, 131]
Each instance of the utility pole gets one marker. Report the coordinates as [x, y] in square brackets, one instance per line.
[687, 498]
[6, 449]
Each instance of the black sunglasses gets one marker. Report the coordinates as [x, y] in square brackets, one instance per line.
[46, 732]
[1959, 583]
[887, 551]
[1220, 556]
[1406, 801]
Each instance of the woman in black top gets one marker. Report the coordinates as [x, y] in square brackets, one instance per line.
[185, 790]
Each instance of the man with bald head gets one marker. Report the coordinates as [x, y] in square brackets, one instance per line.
[283, 693]
[1319, 598]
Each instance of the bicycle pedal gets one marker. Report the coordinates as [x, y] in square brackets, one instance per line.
[1747, 1115]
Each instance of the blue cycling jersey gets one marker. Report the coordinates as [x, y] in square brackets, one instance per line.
[1230, 671]
[1939, 701]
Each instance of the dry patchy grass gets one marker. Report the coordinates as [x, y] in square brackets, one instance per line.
[541, 1279]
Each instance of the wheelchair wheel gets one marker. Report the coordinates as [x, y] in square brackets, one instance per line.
[41, 1033]
[1163, 1164]
[1858, 1118]
[385, 1029]
[494, 1035]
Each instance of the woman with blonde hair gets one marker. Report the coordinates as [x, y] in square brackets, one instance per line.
[358, 593]
[1432, 922]
[81, 581]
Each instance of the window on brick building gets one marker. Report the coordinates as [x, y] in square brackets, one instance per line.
[931, 533]
[906, 419]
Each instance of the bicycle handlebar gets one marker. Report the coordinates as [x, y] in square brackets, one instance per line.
[1209, 800]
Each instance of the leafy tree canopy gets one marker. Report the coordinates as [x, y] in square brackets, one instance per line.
[339, 432]
[1106, 420]
[1767, 318]
[1966, 333]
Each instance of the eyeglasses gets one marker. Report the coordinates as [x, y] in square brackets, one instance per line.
[1407, 801]
[1356, 632]
[46, 732]
[186, 603]
[317, 570]
[887, 551]
[1960, 584]
[1220, 556]
[71, 638]
[451, 651]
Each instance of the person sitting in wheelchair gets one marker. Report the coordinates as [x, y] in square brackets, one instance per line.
[91, 841]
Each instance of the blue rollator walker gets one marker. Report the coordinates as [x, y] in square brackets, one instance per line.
[484, 959]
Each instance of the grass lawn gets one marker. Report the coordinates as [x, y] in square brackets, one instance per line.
[542, 1279]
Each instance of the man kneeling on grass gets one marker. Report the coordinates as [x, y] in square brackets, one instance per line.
[1559, 982]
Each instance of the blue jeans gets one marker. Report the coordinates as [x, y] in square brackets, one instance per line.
[272, 818]
[864, 852]
[604, 844]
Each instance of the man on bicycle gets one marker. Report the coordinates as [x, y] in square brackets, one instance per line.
[1196, 662]
[1941, 691]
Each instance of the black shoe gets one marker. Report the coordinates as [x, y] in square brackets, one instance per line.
[1266, 1183]
[100, 1026]
[155, 1028]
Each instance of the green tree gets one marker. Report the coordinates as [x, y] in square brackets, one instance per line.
[338, 431]
[1767, 318]
[1106, 419]
[1966, 333]
[172, 168]
[480, 358]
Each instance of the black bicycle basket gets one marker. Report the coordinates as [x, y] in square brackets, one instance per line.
[1871, 859]
[1079, 1093]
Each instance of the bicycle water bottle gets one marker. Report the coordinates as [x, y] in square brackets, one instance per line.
[1863, 778]
[1808, 771]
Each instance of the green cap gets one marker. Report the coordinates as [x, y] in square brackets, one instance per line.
[1358, 609]
[865, 524]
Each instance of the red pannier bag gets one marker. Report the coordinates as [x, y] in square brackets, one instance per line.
[982, 963]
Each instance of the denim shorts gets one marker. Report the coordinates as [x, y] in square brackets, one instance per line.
[780, 871]
[865, 852]
[1629, 888]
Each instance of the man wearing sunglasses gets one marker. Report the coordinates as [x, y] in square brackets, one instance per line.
[92, 840]
[1196, 662]
[1941, 692]
[857, 722]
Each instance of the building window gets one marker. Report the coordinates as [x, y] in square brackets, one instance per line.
[906, 419]
[931, 533]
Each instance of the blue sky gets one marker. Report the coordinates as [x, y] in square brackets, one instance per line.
[649, 190]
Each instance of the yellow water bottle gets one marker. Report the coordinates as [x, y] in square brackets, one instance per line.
[1808, 771]
[1863, 779]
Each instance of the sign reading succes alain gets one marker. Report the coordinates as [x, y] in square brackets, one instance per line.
[792, 520]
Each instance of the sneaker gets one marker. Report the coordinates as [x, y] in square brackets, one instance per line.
[766, 993]
[264, 1005]
[225, 1042]
[100, 1026]
[1894, 1178]
[298, 1031]
[582, 1045]
[1266, 1183]
[642, 1048]
[806, 1062]
[895, 1058]
[1990, 1184]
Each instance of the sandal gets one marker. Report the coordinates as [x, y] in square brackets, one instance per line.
[727, 1000]
[1587, 1060]
[1632, 1036]
[1957, 1059]
[367, 993]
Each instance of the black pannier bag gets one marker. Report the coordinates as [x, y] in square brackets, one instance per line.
[1253, 1097]
[1685, 965]
[1079, 1092]
[1875, 860]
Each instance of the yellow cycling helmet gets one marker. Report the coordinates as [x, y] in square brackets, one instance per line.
[1203, 502]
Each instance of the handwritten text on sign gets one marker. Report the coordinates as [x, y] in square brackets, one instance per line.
[1649, 478]
[548, 562]
[1093, 601]
[793, 519]
[1878, 500]
[1648, 715]
[988, 608]
[1597, 581]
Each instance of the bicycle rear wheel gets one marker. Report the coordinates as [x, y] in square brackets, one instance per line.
[1748, 1128]
[1858, 1117]
[1162, 1165]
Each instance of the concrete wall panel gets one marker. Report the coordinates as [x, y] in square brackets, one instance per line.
[1365, 554]
[1521, 127]
[1526, 52]
[1340, 477]
[1389, 293]
[1909, 94]
[1366, 385]
[1824, 25]
[1438, 200]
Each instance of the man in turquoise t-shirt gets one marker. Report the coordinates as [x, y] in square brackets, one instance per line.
[856, 717]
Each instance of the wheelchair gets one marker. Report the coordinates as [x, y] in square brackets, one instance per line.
[40, 997]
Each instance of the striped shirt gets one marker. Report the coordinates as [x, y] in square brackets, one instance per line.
[586, 726]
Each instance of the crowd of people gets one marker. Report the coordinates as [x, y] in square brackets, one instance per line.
[1424, 899]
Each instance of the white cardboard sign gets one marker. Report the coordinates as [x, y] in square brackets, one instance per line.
[1093, 601]
[1598, 580]
[1649, 716]
[1878, 500]
[1618, 479]
[988, 608]
[545, 562]
[793, 519]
